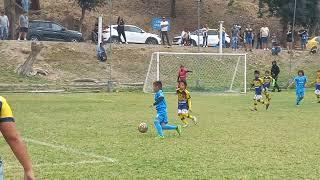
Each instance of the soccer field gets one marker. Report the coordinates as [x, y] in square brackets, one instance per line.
[94, 136]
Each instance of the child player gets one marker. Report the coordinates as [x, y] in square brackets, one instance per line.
[161, 121]
[317, 83]
[300, 81]
[257, 83]
[183, 74]
[267, 80]
[184, 104]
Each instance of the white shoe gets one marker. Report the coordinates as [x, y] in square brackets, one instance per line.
[264, 49]
[185, 125]
[18, 39]
[126, 42]
[195, 121]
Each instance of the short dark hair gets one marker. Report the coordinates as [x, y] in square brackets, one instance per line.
[184, 82]
[274, 62]
[318, 71]
[301, 71]
[158, 84]
[256, 72]
[267, 72]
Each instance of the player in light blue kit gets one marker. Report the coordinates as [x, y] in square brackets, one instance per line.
[300, 81]
[161, 121]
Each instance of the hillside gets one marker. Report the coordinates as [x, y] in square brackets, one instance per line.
[141, 12]
[66, 62]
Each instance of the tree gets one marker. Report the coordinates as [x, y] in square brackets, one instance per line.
[307, 12]
[173, 8]
[88, 5]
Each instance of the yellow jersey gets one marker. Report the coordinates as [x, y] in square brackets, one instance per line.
[5, 111]
[257, 83]
[184, 99]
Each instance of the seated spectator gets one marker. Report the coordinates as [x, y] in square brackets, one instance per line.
[101, 53]
[276, 48]
[183, 37]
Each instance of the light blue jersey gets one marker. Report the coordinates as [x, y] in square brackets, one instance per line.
[300, 81]
[161, 106]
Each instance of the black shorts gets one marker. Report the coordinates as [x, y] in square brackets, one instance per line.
[24, 29]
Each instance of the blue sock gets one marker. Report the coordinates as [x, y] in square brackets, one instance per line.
[169, 127]
[158, 126]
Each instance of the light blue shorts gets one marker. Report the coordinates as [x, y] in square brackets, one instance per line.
[162, 118]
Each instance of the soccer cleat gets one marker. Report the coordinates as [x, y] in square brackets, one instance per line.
[267, 106]
[179, 129]
[195, 121]
[318, 101]
[279, 90]
[185, 125]
[160, 137]
[254, 109]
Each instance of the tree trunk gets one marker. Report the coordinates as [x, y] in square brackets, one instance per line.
[35, 5]
[173, 8]
[10, 10]
[83, 13]
[27, 67]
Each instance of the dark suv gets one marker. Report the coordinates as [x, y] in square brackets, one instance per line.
[51, 31]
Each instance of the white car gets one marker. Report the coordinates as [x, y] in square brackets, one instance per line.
[213, 38]
[134, 34]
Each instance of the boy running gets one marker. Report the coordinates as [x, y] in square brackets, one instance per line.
[184, 104]
[257, 83]
[267, 80]
[161, 121]
[300, 81]
[317, 84]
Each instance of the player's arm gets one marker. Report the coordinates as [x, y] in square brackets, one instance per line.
[158, 100]
[291, 83]
[14, 140]
[189, 101]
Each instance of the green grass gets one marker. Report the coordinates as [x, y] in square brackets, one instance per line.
[230, 142]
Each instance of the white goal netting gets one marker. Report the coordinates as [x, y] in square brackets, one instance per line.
[211, 72]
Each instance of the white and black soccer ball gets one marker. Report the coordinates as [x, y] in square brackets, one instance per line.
[143, 127]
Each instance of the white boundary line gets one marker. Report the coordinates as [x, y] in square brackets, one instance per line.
[70, 150]
[58, 164]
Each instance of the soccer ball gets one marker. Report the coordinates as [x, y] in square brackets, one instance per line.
[143, 127]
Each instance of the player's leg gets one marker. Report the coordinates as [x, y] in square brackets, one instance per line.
[317, 92]
[158, 126]
[255, 103]
[193, 118]
[166, 126]
[183, 119]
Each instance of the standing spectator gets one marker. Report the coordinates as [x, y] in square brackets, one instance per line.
[4, 26]
[275, 71]
[205, 35]
[24, 25]
[235, 36]
[14, 140]
[25, 5]
[289, 40]
[164, 30]
[102, 55]
[276, 49]
[304, 38]
[223, 37]
[253, 39]
[120, 29]
[264, 33]
[259, 42]
[248, 36]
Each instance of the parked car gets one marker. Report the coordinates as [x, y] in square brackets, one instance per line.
[134, 34]
[213, 38]
[51, 31]
[313, 44]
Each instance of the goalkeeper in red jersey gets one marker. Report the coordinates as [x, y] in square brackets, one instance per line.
[183, 74]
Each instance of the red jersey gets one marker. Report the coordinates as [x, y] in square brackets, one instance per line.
[183, 74]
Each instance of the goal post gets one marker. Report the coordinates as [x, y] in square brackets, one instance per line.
[211, 72]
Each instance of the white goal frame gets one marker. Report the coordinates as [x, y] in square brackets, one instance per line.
[157, 55]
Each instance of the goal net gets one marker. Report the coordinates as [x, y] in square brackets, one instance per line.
[211, 72]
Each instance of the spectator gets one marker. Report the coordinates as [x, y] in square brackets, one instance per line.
[304, 38]
[14, 140]
[4, 26]
[275, 71]
[264, 33]
[102, 55]
[120, 29]
[25, 5]
[23, 25]
[94, 34]
[164, 30]
[187, 37]
[205, 35]
[223, 37]
[248, 36]
[289, 40]
[259, 42]
[183, 37]
[235, 36]
[276, 49]
[253, 39]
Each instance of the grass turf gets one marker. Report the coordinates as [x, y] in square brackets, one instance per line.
[230, 142]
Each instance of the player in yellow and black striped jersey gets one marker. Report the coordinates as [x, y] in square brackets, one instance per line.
[267, 81]
[184, 104]
[257, 83]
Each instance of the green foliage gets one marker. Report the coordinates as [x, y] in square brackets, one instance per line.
[90, 4]
[307, 11]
